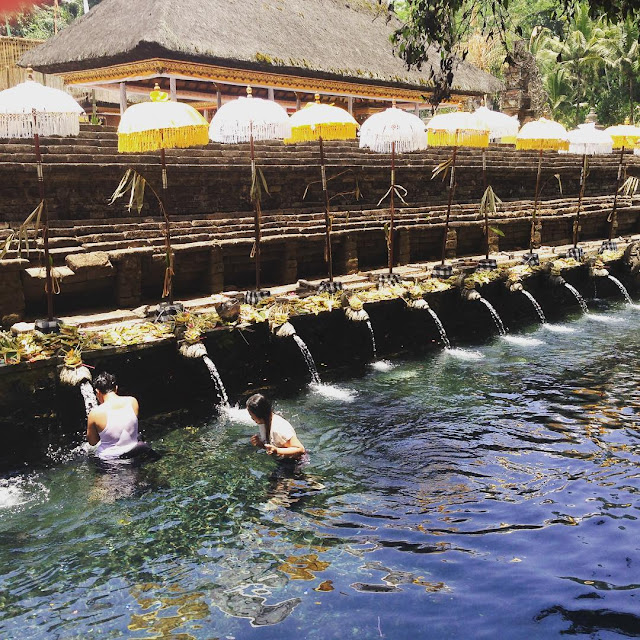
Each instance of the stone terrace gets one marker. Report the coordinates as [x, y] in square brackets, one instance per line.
[106, 256]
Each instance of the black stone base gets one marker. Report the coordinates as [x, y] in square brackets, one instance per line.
[576, 253]
[328, 286]
[253, 297]
[443, 271]
[608, 245]
[48, 326]
[532, 259]
[487, 264]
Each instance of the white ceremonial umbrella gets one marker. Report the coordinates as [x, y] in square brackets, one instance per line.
[502, 128]
[587, 141]
[247, 120]
[393, 131]
[32, 110]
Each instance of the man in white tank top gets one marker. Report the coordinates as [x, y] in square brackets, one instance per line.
[113, 424]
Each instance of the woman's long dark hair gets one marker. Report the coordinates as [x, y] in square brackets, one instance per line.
[261, 408]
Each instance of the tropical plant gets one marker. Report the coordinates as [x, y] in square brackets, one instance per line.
[624, 55]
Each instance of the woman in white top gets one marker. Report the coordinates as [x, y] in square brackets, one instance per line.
[113, 424]
[276, 435]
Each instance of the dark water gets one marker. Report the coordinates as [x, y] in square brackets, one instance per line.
[447, 498]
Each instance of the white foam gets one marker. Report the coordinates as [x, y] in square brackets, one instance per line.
[332, 392]
[382, 365]
[464, 354]
[522, 341]
[558, 328]
[15, 492]
[603, 317]
[237, 414]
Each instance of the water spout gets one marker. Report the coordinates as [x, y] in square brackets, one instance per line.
[622, 288]
[536, 306]
[217, 380]
[373, 340]
[578, 297]
[88, 395]
[308, 358]
[494, 314]
[440, 326]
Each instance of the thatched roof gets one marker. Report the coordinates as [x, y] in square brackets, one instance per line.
[344, 39]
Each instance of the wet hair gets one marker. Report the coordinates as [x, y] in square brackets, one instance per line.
[262, 408]
[105, 382]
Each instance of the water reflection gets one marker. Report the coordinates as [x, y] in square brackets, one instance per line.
[438, 489]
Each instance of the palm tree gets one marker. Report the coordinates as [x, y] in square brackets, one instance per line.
[624, 55]
[579, 53]
[558, 88]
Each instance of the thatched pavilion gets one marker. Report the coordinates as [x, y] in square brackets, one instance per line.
[207, 51]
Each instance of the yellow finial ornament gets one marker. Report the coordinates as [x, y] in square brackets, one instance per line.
[317, 98]
[249, 92]
[157, 95]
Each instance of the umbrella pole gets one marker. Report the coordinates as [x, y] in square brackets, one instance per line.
[535, 204]
[484, 186]
[45, 221]
[393, 188]
[583, 180]
[168, 279]
[452, 182]
[612, 215]
[327, 215]
[256, 209]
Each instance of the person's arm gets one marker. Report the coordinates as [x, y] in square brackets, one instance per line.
[92, 429]
[256, 441]
[134, 405]
[291, 449]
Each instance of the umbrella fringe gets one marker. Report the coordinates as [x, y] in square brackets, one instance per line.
[235, 133]
[625, 141]
[535, 144]
[48, 124]
[326, 131]
[383, 143]
[169, 138]
[459, 138]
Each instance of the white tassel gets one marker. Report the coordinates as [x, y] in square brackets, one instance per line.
[47, 124]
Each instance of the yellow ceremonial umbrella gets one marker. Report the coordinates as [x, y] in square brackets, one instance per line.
[457, 129]
[625, 136]
[540, 135]
[158, 125]
[318, 121]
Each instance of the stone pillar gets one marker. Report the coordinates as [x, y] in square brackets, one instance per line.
[348, 257]
[402, 251]
[12, 305]
[271, 94]
[123, 97]
[128, 266]
[350, 104]
[451, 248]
[289, 253]
[416, 109]
[494, 241]
[216, 269]
[218, 99]
[173, 89]
[298, 103]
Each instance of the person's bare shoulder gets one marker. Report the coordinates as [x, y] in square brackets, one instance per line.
[134, 404]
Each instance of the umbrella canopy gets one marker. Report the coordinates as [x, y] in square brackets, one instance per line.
[500, 125]
[326, 121]
[380, 131]
[246, 118]
[457, 129]
[57, 113]
[542, 134]
[624, 135]
[587, 140]
[161, 124]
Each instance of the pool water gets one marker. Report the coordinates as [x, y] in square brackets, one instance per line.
[494, 495]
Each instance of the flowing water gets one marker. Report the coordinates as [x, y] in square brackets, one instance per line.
[217, 380]
[488, 498]
[578, 297]
[536, 306]
[623, 289]
[440, 326]
[308, 358]
[88, 395]
[494, 315]
[373, 340]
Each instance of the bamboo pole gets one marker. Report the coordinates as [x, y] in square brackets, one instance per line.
[327, 215]
[612, 215]
[535, 204]
[583, 180]
[393, 189]
[256, 209]
[168, 281]
[452, 184]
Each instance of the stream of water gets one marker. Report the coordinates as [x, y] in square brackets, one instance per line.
[446, 498]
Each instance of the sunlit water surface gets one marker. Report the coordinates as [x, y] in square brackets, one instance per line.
[483, 496]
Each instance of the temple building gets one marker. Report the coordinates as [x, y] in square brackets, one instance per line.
[207, 51]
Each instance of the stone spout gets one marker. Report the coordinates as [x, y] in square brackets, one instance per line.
[193, 350]
[285, 330]
[74, 376]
